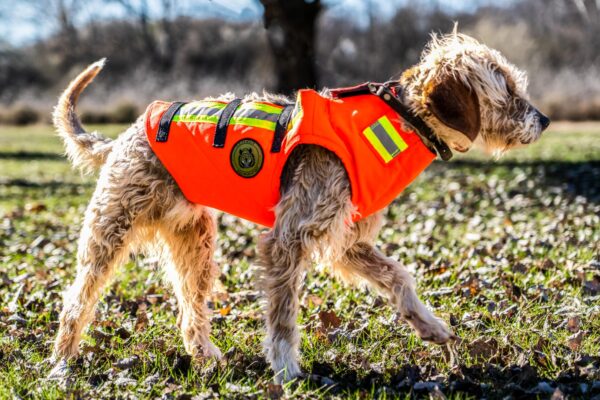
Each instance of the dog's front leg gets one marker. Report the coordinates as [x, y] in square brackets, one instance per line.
[392, 279]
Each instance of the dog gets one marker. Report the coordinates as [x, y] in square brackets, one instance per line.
[466, 93]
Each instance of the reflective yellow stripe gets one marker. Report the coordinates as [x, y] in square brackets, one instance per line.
[196, 106]
[254, 122]
[370, 135]
[262, 107]
[393, 133]
[258, 114]
[187, 114]
[211, 119]
[385, 139]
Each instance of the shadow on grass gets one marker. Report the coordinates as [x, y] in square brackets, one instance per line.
[574, 178]
[18, 190]
[54, 184]
[482, 380]
[30, 155]
[489, 380]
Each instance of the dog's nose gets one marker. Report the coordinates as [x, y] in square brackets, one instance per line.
[544, 121]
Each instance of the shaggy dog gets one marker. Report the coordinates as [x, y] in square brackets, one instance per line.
[459, 86]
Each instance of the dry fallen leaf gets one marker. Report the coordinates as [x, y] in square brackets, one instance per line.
[573, 324]
[574, 341]
[224, 311]
[141, 317]
[329, 320]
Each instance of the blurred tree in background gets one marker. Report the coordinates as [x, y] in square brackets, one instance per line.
[290, 28]
[161, 49]
[159, 37]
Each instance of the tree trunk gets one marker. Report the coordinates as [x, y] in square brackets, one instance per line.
[290, 28]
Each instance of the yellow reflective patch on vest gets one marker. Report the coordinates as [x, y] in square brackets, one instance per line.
[267, 108]
[253, 114]
[385, 139]
[211, 119]
[253, 122]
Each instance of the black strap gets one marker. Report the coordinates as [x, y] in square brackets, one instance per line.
[165, 122]
[384, 92]
[223, 123]
[281, 128]
[357, 90]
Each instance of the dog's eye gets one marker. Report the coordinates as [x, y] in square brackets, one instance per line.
[508, 83]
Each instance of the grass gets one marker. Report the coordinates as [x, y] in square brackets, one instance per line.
[506, 251]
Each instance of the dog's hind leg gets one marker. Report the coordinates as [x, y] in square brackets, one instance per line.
[388, 276]
[283, 263]
[187, 258]
[108, 227]
[313, 212]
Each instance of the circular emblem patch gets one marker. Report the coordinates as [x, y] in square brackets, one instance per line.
[247, 158]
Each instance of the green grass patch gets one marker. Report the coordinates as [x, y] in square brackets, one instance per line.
[507, 252]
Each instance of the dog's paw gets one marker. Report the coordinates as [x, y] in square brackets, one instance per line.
[283, 357]
[60, 371]
[209, 350]
[430, 328]
[287, 373]
[204, 351]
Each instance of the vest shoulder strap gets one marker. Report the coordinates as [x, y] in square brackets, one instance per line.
[357, 90]
[384, 93]
[162, 135]
[223, 122]
[281, 128]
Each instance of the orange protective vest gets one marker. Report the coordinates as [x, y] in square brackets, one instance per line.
[243, 176]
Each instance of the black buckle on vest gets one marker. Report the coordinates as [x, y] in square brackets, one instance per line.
[281, 128]
[223, 122]
[384, 92]
[165, 121]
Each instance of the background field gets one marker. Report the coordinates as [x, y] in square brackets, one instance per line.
[506, 252]
[183, 49]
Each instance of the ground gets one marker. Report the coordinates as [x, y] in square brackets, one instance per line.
[507, 252]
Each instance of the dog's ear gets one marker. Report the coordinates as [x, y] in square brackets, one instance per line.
[456, 105]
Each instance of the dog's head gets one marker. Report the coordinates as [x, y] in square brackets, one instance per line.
[468, 93]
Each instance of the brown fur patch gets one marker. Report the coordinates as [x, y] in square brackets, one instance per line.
[456, 105]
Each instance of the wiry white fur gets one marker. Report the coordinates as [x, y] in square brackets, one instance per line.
[499, 85]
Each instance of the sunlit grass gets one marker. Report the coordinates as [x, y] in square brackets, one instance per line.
[505, 251]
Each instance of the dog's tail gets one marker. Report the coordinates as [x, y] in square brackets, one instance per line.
[88, 151]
